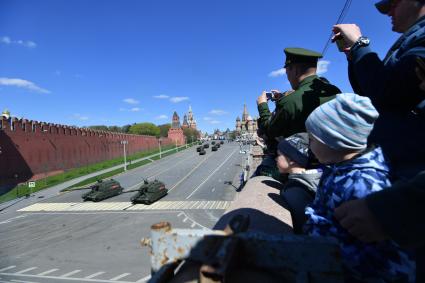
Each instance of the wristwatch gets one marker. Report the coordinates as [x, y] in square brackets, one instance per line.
[361, 42]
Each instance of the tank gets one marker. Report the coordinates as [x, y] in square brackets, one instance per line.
[217, 145]
[149, 192]
[214, 148]
[207, 145]
[221, 142]
[202, 152]
[103, 190]
[213, 142]
[198, 149]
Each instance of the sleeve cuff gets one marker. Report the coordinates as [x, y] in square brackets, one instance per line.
[359, 53]
[263, 108]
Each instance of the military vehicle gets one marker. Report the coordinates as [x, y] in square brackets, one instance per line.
[198, 149]
[103, 190]
[213, 142]
[202, 152]
[213, 148]
[217, 145]
[207, 145]
[149, 192]
[221, 142]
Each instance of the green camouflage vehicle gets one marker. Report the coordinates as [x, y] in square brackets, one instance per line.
[103, 190]
[202, 152]
[198, 149]
[213, 142]
[214, 148]
[149, 192]
[207, 145]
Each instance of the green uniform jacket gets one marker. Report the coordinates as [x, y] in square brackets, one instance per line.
[292, 111]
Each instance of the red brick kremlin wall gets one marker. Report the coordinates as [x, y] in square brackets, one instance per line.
[29, 148]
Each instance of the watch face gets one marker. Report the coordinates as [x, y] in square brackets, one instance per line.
[364, 40]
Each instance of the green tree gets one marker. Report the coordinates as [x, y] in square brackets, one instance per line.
[115, 129]
[125, 128]
[99, 127]
[148, 129]
[188, 133]
[164, 129]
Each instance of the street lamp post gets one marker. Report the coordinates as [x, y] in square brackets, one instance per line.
[125, 155]
[159, 144]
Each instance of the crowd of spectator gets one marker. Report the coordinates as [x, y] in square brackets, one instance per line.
[352, 165]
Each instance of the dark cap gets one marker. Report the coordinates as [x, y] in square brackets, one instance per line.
[301, 55]
[383, 6]
[295, 148]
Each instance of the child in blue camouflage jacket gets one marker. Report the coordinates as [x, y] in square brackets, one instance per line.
[338, 133]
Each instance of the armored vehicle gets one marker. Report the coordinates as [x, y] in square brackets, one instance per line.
[202, 152]
[221, 142]
[149, 192]
[207, 145]
[198, 149]
[103, 190]
[213, 142]
[213, 148]
[217, 145]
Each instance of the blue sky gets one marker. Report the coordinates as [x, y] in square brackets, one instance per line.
[109, 62]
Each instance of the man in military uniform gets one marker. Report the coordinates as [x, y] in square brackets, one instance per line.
[309, 92]
[293, 108]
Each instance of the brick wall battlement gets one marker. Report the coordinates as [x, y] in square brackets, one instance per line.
[29, 148]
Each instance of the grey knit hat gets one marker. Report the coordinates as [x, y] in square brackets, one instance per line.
[344, 122]
[295, 148]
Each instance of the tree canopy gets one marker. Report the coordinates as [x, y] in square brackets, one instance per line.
[148, 129]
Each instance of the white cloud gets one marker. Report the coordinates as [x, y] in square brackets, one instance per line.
[80, 117]
[277, 73]
[7, 40]
[162, 96]
[161, 117]
[22, 84]
[207, 118]
[134, 109]
[215, 122]
[177, 99]
[322, 67]
[131, 101]
[218, 112]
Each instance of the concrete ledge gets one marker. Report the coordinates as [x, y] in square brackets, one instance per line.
[260, 199]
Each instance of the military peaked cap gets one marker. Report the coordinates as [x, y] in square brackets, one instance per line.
[301, 55]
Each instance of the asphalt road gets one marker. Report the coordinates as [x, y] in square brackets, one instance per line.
[62, 238]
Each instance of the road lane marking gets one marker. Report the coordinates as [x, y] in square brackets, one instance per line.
[212, 173]
[47, 272]
[26, 270]
[94, 275]
[158, 173]
[122, 206]
[71, 273]
[188, 174]
[144, 279]
[116, 278]
[20, 281]
[7, 268]
[60, 279]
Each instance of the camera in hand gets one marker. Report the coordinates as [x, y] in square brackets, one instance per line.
[273, 95]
